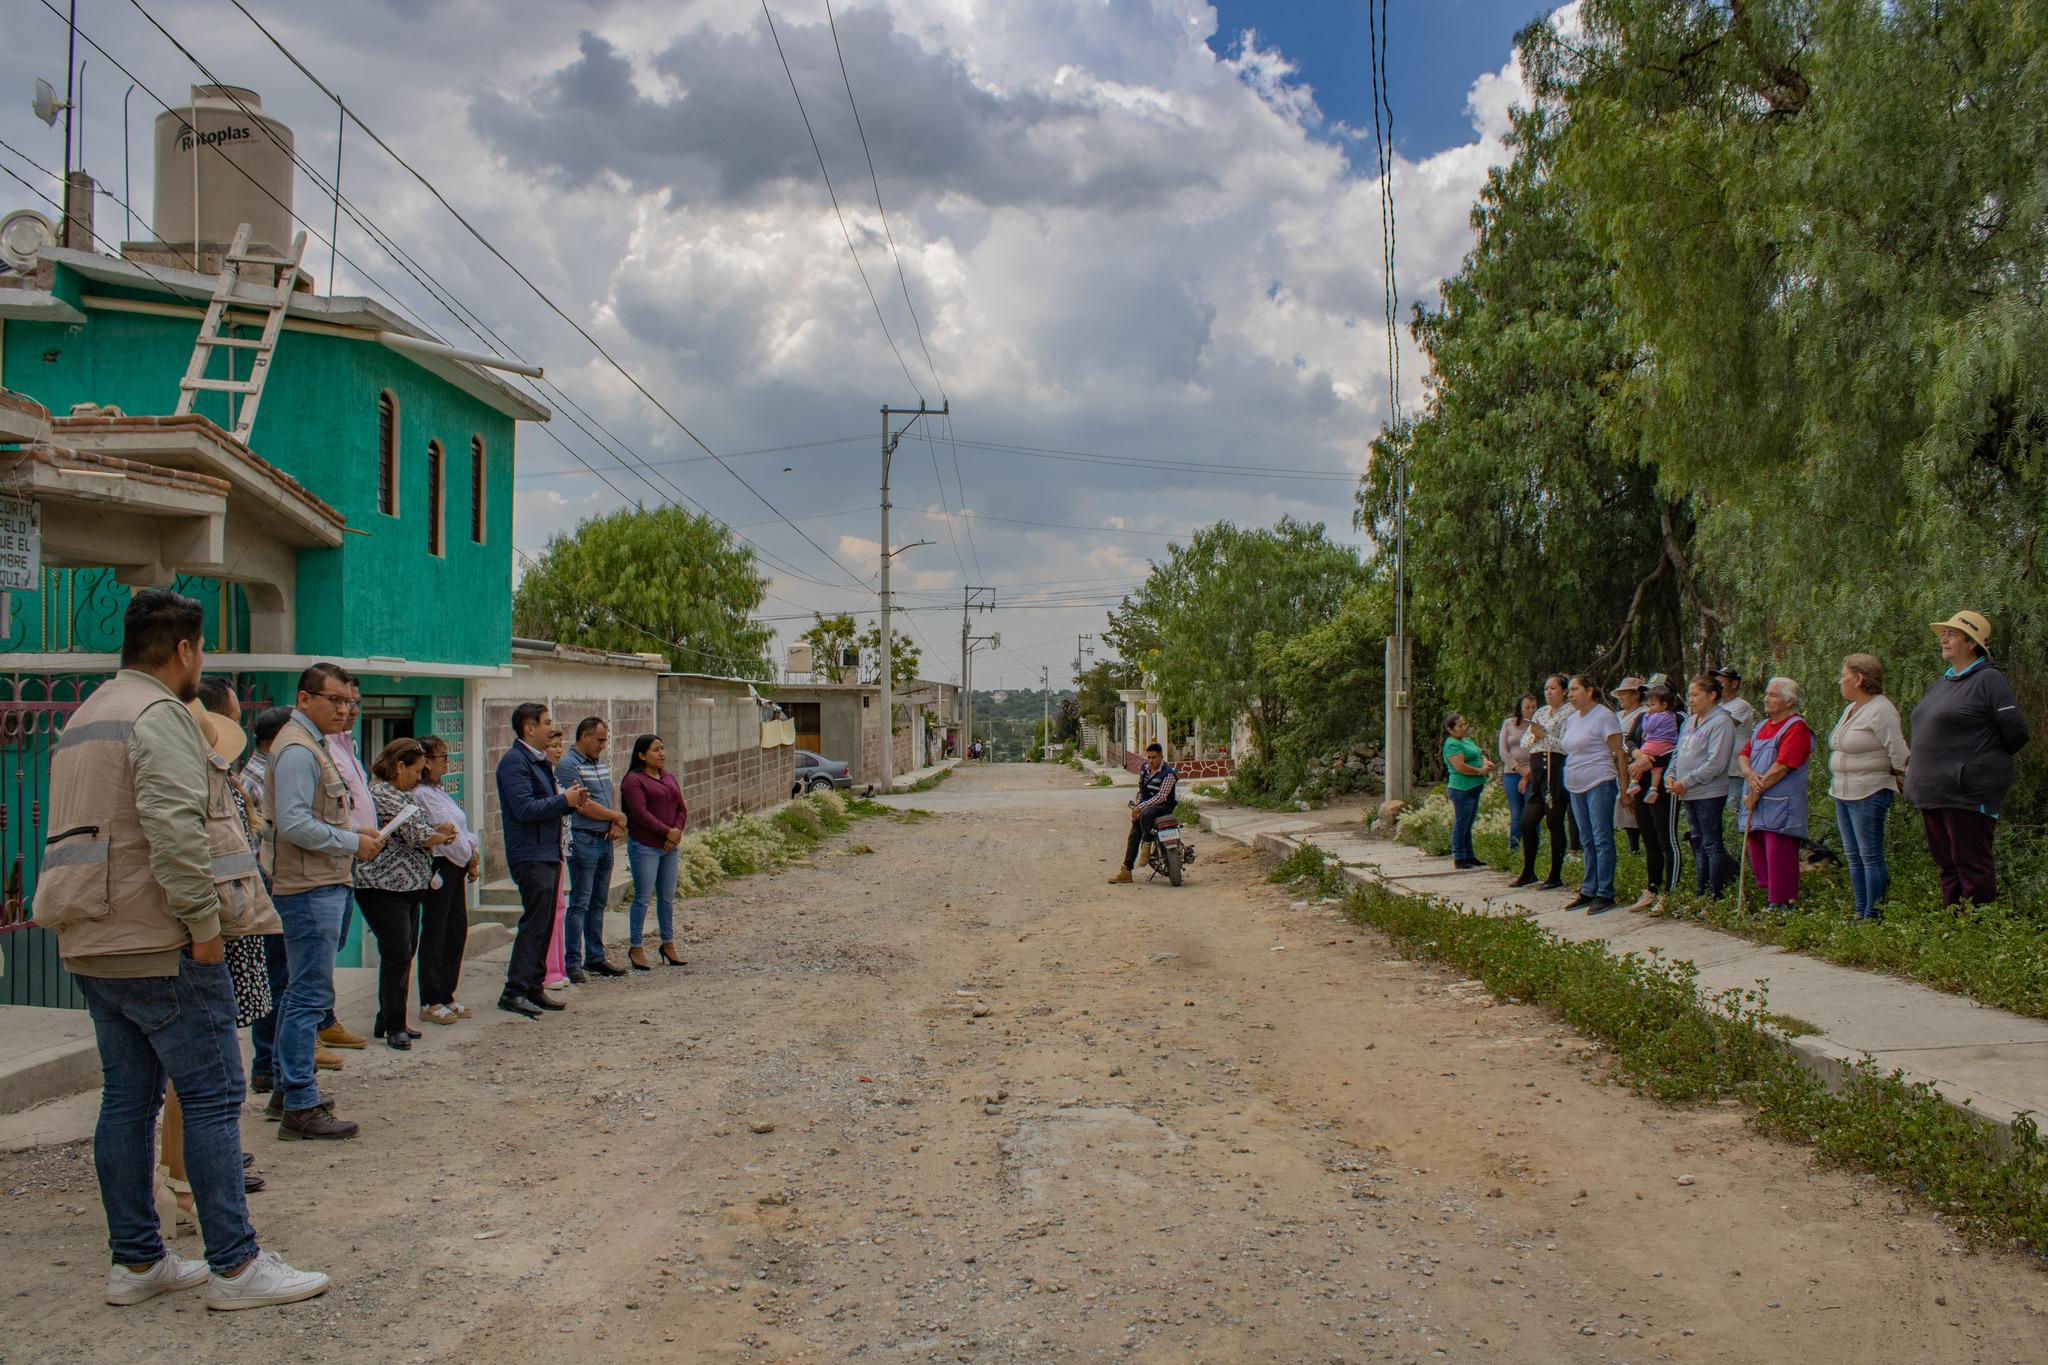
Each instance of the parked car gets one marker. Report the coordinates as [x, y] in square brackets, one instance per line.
[816, 773]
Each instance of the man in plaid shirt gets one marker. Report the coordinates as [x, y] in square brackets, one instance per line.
[1155, 798]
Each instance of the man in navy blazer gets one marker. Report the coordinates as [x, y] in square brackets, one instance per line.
[531, 808]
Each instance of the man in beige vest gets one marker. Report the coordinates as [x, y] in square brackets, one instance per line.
[315, 843]
[127, 884]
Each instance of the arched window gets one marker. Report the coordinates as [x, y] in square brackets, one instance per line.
[387, 454]
[437, 496]
[476, 489]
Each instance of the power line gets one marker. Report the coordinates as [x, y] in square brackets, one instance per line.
[876, 180]
[832, 194]
[1146, 462]
[521, 275]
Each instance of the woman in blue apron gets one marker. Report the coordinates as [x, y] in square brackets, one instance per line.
[1773, 817]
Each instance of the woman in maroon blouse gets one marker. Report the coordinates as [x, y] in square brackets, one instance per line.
[655, 819]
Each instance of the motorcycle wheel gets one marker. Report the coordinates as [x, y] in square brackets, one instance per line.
[1172, 856]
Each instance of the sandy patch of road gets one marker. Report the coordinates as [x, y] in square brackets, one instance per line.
[1197, 1124]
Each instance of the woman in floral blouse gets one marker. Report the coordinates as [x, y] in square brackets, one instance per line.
[391, 886]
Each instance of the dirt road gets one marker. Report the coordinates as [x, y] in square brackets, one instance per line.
[1021, 1115]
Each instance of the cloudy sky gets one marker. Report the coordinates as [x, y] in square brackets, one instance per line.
[1138, 243]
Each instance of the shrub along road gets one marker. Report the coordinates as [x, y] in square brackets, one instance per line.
[942, 1094]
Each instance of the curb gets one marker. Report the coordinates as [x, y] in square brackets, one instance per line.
[1829, 1063]
[72, 1066]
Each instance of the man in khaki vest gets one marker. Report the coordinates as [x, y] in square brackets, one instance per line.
[127, 884]
[314, 845]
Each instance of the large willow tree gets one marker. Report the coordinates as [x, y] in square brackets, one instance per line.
[1827, 228]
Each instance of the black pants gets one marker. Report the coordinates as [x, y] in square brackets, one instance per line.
[444, 930]
[1713, 868]
[1543, 802]
[538, 884]
[394, 917]
[1141, 829]
[1654, 819]
[1960, 841]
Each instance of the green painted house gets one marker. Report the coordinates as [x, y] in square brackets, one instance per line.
[366, 519]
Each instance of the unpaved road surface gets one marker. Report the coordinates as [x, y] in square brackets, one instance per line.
[1020, 1115]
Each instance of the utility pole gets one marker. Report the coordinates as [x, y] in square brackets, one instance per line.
[889, 441]
[971, 599]
[1045, 743]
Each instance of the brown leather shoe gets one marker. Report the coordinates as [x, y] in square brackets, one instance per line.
[325, 1060]
[638, 957]
[671, 956]
[316, 1124]
[1123, 874]
[335, 1035]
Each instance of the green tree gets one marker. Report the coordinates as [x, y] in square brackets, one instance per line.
[904, 657]
[1826, 221]
[829, 637]
[1534, 545]
[661, 580]
[1098, 702]
[1217, 605]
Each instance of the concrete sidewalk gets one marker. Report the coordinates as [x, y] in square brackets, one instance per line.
[50, 1066]
[1118, 776]
[1994, 1062]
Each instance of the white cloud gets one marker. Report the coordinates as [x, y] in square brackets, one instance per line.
[1116, 242]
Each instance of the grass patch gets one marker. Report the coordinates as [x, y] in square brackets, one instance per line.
[925, 784]
[750, 843]
[1994, 954]
[1103, 780]
[1185, 812]
[1791, 1025]
[855, 850]
[1308, 867]
[1212, 789]
[1673, 1043]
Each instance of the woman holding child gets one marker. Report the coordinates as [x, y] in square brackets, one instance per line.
[1651, 741]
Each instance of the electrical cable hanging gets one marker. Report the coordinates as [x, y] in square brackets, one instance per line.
[506, 261]
[443, 296]
[833, 195]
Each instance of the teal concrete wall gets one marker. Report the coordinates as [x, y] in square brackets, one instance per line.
[381, 592]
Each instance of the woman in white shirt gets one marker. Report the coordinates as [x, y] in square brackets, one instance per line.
[1595, 777]
[1866, 757]
[444, 917]
[1543, 798]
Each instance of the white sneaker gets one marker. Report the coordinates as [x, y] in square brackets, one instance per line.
[125, 1286]
[264, 1281]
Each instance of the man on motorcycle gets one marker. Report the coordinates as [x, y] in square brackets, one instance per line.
[1155, 798]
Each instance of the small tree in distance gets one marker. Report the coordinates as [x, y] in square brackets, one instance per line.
[650, 580]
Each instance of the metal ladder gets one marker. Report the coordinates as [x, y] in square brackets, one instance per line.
[195, 382]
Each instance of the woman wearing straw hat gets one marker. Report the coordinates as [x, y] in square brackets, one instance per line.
[1965, 732]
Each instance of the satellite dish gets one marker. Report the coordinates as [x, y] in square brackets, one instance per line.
[24, 235]
[46, 104]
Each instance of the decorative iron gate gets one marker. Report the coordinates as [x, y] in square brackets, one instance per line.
[33, 712]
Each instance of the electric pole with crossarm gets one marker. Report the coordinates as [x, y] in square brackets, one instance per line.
[889, 440]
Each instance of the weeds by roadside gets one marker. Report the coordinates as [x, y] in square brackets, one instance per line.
[1103, 780]
[750, 843]
[1673, 1043]
[1307, 867]
[925, 784]
[1993, 954]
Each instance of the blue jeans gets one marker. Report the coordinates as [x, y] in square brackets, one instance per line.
[654, 874]
[590, 889]
[1862, 826]
[1593, 812]
[1464, 810]
[180, 1028]
[263, 1033]
[1511, 783]
[1713, 869]
[312, 933]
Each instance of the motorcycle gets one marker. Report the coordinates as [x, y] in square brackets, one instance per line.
[1171, 854]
